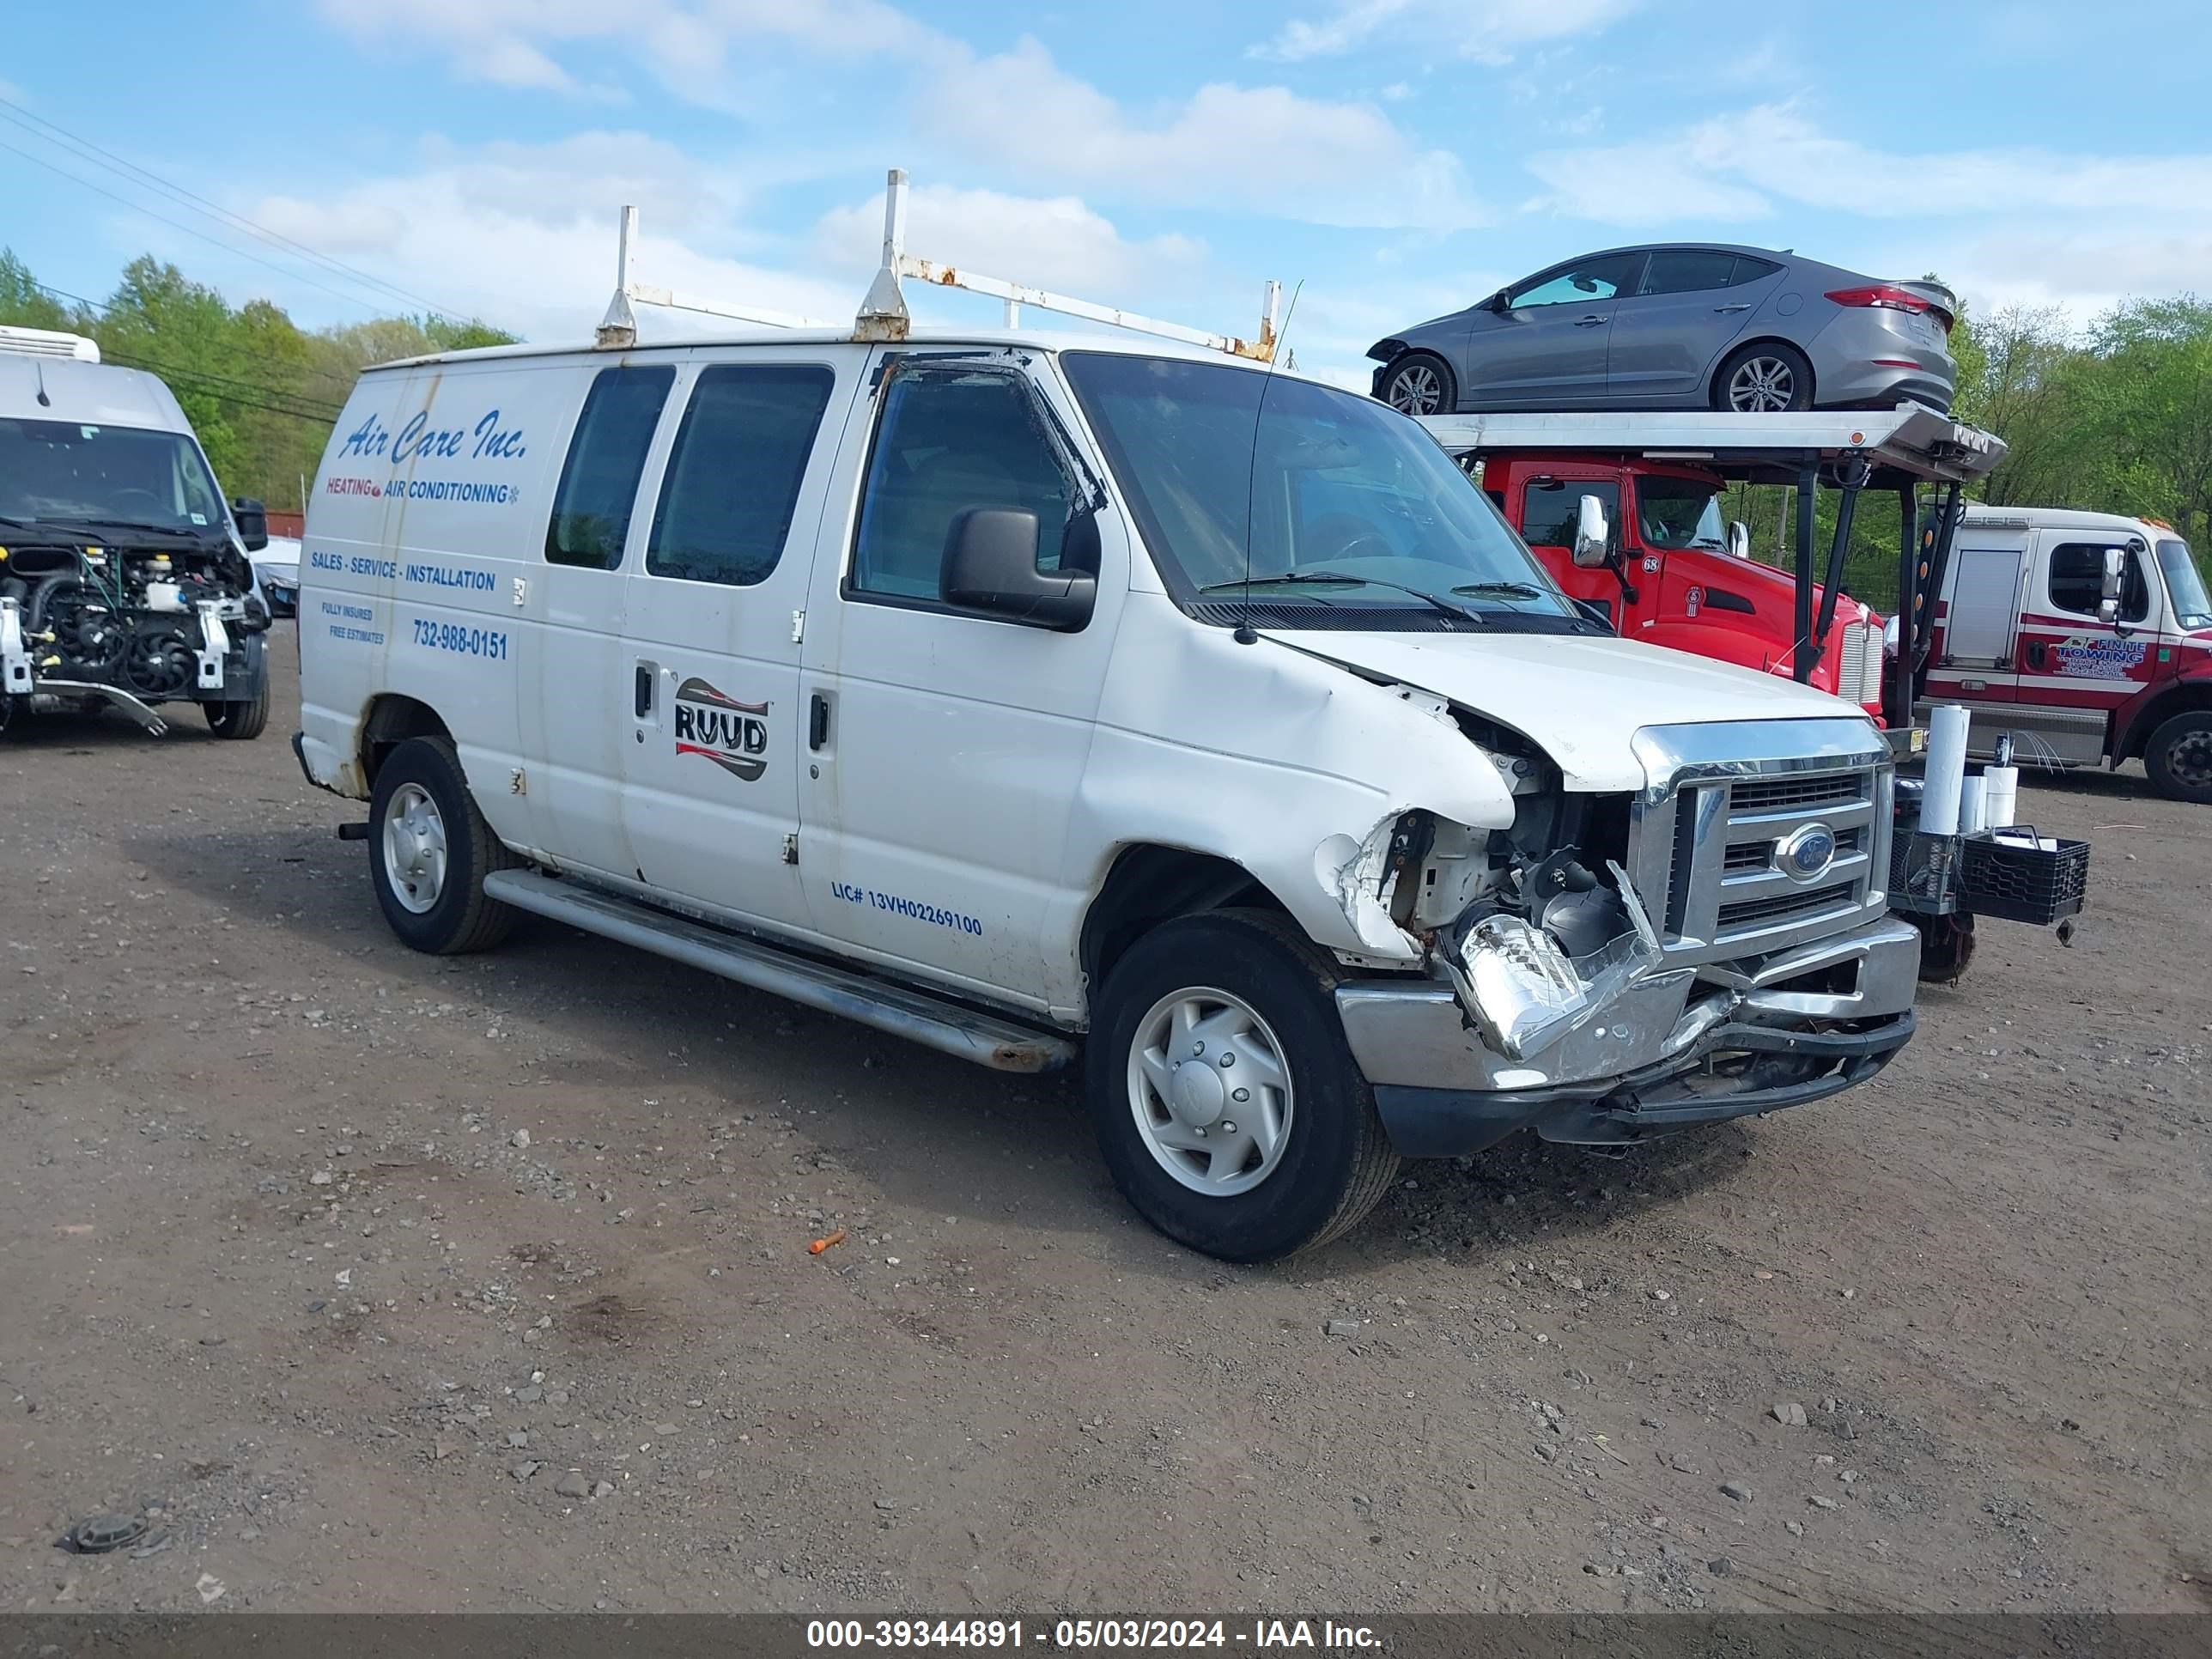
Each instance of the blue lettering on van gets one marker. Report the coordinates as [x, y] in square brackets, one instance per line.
[488, 439]
[912, 910]
[369, 438]
[362, 565]
[321, 561]
[451, 576]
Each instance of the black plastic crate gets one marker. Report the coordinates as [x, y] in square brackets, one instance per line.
[2022, 883]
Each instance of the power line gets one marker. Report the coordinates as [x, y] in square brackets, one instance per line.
[189, 230]
[320, 408]
[87, 150]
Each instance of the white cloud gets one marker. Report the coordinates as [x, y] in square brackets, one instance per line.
[1488, 31]
[523, 235]
[1263, 150]
[1734, 167]
[686, 43]
[1045, 242]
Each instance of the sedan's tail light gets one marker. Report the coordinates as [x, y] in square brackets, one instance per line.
[1885, 296]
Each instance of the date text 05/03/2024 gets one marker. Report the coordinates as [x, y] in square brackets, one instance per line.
[1071, 1635]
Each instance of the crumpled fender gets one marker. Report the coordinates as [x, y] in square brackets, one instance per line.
[1291, 766]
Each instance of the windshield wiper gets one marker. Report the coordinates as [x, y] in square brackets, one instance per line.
[1337, 579]
[1500, 590]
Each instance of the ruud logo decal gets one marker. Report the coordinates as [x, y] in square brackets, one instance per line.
[731, 734]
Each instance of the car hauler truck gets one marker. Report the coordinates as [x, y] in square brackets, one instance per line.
[1669, 572]
[1029, 694]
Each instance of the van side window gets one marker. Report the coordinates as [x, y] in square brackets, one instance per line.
[734, 474]
[599, 481]
[2078, 582]
[946, 443]
[1551, 509]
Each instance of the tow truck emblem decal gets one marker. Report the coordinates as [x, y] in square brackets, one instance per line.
[1805, 853]
[731, 734]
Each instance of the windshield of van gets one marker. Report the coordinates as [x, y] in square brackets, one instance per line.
[105, 476]
[1343, 512]
[2185, 586]
[1674, 514]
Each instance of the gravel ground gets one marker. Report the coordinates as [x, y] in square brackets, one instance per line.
[378, 1282]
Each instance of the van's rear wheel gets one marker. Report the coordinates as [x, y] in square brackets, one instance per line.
[1226, 1101]
[2179, 757]
[429, 850]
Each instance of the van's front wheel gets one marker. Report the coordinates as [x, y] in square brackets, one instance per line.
[1227, 1103]
[429, 850]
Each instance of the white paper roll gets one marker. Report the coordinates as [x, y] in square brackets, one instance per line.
[1947, 770]
[2000, 796]
[1971, 821]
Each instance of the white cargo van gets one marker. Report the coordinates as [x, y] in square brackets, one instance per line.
[124, 579]
[1009, 690]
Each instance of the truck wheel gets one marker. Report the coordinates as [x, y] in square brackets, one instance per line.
[1226, 1101]
[429, 850]
[240, 721]
[1764, 380]
[2179, 757]
[1947, 945]
[1421, 383]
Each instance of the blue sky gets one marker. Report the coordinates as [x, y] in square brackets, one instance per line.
[1399, 158]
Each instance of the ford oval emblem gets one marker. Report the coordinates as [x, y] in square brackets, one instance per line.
[1805, 853]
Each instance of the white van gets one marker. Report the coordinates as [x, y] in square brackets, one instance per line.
[125, 577]
[2085, 637]
[919, 679]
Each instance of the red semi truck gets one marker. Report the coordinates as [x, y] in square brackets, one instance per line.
[1665, 569]
[1672, 573]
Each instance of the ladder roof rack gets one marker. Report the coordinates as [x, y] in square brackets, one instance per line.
[1911, 441]
[882, 314]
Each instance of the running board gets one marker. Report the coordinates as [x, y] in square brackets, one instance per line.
[915, 1015]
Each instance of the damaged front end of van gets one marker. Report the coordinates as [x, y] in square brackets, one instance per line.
[1614, 967]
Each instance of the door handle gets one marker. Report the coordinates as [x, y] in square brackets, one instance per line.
[645, 678]
[1590, 322]
[817, 721]
[2035, 653]
[1741, 307]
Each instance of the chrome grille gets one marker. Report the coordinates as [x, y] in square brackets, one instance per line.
[1705, 844]
[1858, 678]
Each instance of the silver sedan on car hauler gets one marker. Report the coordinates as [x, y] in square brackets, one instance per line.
[1679, 326]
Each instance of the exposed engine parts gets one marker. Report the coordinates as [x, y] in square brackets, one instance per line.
[133, 625]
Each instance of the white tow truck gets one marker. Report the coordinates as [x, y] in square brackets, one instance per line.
[1033, 695]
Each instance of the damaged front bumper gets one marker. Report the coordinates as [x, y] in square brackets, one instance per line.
[1680, 1046]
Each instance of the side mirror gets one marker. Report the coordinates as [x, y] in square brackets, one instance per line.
[2115, 573]
[1496, 302]
[1739, 539]
[253, 521]
[991, 564]
[2108, 612]
[1593, 540]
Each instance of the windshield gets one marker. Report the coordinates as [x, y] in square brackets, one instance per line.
[108, 474]
[1328, 501]
[2185, 586]
[1674, 514]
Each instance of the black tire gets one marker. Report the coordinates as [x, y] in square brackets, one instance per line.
[2179, 757]
[1421, 383]
[1947, 945]
[1336, 1160]
[239, 721]
[1769, 362]
[460, 917]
